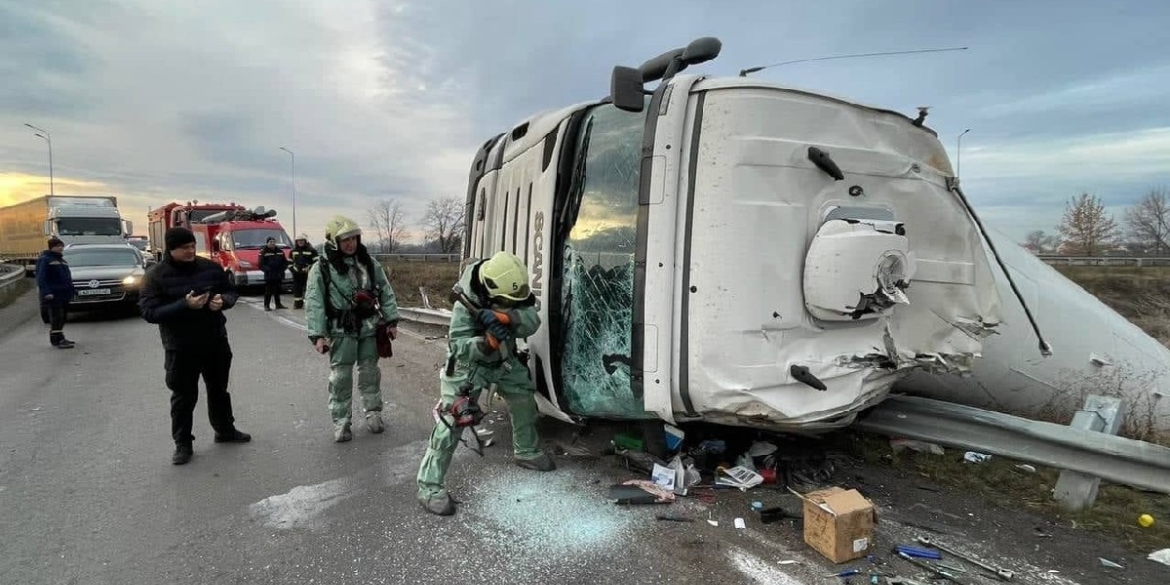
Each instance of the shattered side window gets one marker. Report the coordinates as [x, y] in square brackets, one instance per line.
[598, 289]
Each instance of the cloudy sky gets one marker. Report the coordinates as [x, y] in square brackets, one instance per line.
[153, 100]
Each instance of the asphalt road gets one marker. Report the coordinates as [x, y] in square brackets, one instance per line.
[88, 494]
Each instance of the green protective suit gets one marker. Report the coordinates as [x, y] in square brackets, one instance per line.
[348, 348]
[467, 360]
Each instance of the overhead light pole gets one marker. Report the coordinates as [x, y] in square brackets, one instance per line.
[292, 171]
[959, 153]
[41, 132]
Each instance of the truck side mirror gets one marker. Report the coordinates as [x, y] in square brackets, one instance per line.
[129, 227]
[626, 89]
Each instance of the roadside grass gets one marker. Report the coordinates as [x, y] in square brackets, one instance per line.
[1141, 295]
[436, 277]
[1000, 483]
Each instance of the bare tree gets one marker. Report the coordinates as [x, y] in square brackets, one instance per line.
[1040, 243]
[1085, 228]
[444, 221]
[389, 221]
[1149, 222]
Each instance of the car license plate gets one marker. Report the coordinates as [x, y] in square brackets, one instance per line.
[93, 291]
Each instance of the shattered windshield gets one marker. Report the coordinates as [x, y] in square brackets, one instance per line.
[598, 290]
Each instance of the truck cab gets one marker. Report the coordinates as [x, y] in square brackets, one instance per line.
[86, 220]
[234, 239]
[732, 250]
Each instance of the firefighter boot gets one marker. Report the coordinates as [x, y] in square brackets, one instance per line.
[341, 432]
[541, 462]
[374, 422]
[438, 505]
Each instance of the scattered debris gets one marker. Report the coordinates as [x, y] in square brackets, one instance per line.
[739, 523]
[672, 518]
[1161, 556]
[640, 491]
[899, 445]
[674, 437]
[1026, 467]
[1109, 563]
[838, 523]
[663, 476]
[973, 457]
[919, 553]
[628, 443]
[739, 477]
[1002, 574]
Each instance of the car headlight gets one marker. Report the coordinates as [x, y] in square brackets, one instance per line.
[130, 281]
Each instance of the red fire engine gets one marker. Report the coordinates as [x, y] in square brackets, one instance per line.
[180, 214]
[234, 237]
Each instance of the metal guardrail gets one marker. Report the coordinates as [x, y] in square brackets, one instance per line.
[1138, 261]
[10, 274]
[419, 257]
[1112, 458]
[435, 317]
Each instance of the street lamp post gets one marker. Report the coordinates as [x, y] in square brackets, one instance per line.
[292, 171]
[959, 153]
[45, 135]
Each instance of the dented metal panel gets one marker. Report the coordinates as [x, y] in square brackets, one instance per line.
[1095, 351]
[759, 204]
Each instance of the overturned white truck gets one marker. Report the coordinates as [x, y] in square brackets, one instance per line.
[738, 252]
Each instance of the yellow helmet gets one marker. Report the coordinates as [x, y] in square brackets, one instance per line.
[341, 227]
[504, 275]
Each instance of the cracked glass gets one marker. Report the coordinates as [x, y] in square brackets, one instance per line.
[598, 292]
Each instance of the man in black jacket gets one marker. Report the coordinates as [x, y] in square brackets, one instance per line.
[186, 296]
[273, 262]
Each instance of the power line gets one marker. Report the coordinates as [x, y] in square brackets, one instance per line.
[744, 72]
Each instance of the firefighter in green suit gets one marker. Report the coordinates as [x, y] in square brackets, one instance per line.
[507, 312]
[346, 299]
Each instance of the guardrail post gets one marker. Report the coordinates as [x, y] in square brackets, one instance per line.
[426, 301]
[1074, 490]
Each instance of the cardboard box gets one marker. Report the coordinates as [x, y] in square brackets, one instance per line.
[839, 523]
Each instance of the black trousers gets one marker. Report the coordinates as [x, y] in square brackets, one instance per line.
[213, 362]
[272, 289]
[300, 279]
[56, 322]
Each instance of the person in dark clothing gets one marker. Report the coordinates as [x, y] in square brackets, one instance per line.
[273, 262]
[185, 295]
[303, 257]
[55, 284]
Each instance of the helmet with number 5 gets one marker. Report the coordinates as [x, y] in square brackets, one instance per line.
[504, 275]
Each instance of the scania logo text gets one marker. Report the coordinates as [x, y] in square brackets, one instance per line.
[538, 257]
